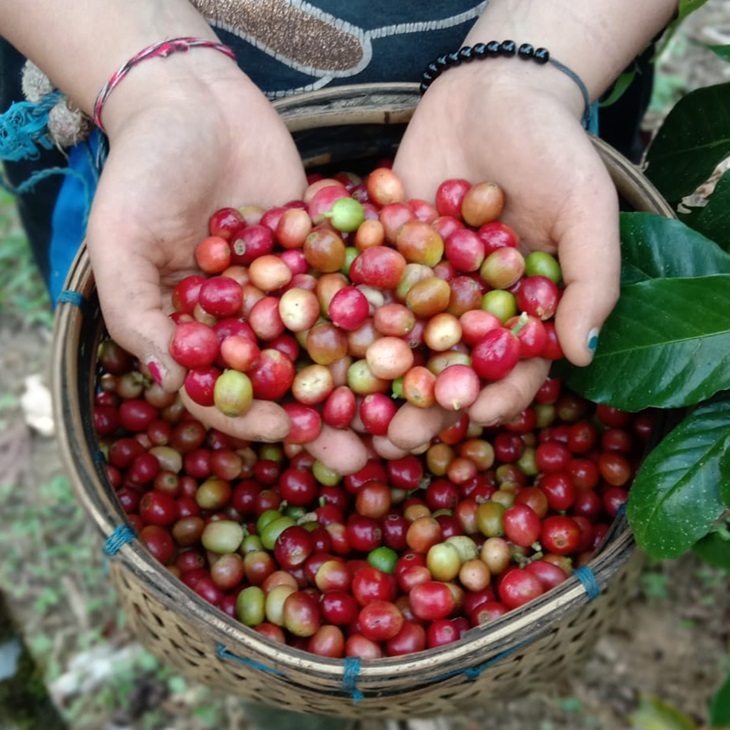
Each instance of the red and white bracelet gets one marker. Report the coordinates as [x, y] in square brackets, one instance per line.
[163, 49]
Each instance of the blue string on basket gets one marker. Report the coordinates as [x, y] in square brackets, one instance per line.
[472, 673]
[349, 678]
[67, 296]
[222, 653]
[121, 536]
[113, 544]
[588, 578]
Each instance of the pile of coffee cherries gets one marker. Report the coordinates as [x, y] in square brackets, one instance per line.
[400, 557]
[353, 300]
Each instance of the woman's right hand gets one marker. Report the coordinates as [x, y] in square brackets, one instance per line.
[187, 136]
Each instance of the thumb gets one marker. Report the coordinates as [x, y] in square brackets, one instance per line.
[590, 258]
[412, 427]
[343, 451]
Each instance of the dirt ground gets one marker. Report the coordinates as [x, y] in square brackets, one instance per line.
[671, 643]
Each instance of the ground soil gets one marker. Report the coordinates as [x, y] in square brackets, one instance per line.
[671, 642]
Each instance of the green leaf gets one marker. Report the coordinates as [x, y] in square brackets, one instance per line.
[714, 549]
[619, 88]
[654, 247]
[693, 139]
[713, 219]
[653, 714]
[720, 707]
[722, 51]
[674, 499]
[725, 479]
[665, 345]
[688, 6]
[685, 8]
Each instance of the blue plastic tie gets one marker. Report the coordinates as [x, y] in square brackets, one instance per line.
[222, 653]
[621, 511]
[472, 673]
[67, 296]
[24, 127]
[349, 678]
[121, 536]
[588, 578]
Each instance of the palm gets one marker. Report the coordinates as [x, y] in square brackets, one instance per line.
[167, 172]
[559, 199]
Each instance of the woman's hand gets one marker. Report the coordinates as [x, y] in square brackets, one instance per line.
[179, 152]
[512, 129]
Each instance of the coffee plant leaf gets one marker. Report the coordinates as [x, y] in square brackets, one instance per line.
[713, 219]
[725, 475]
[692, 141]
[720, 707]
[654, 247]
[674, 499]
[666, 344]
[714, 549]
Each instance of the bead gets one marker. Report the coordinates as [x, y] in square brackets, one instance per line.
[507, 48]
[492, 49]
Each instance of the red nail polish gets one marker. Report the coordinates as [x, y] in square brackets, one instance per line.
[155, 371]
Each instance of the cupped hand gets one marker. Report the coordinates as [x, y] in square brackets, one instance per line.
[519, 133]
[177, 154]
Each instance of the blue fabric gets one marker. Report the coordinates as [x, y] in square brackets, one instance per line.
[71, 212]
[24, 127]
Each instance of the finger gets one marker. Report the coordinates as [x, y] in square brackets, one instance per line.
[341, 450]
[265, 420]
[131, 301]
[503, 400]
[412, 427]
[590, 259]
[386, 449]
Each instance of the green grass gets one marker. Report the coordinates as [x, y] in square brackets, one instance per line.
[23, 295]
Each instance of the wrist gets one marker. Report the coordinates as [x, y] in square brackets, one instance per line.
[201, 77]
[498, 78]
[162, 78]
[81, 45]
[597, 40]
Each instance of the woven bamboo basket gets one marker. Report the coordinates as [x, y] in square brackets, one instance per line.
[524, 650]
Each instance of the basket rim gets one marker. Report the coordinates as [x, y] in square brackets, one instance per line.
[531, 620]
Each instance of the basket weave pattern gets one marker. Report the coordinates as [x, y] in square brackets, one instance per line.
[170, 632]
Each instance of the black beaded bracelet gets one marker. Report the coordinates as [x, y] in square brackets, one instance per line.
[503, 49]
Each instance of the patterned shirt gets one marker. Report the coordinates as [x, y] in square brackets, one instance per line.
[288, 46]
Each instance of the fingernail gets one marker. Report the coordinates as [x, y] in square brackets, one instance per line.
[156, 370]
[593, 339]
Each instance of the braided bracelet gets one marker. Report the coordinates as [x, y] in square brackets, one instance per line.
[163, 49]
[503, 49]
